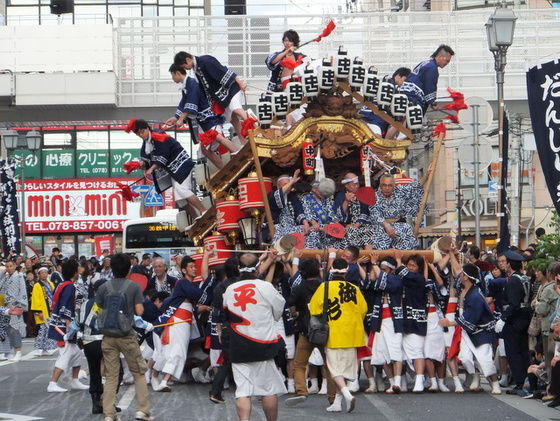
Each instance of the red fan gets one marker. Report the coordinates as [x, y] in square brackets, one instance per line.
[132, 166]
[366, 195]
[326, 32]
[440, 129]
[335, 230]
[300, 240]
[207, 137]
[248, 124]
[126, 191]
[140, 279]
[131, 126]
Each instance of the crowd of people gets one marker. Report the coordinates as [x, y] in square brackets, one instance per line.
[396, 319]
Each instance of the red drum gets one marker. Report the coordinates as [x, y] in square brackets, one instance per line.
[197, 257]
[228, 213]
[219, 241]
[250, 197]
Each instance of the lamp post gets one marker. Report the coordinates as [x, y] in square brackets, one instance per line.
[500, 28]
[32, 142]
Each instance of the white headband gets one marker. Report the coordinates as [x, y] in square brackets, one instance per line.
[338, 270]
[350, 180]
[386, 263]
[42, 268]
[285, 177]
[253, 269]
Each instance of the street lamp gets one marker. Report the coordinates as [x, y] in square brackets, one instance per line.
[499, 30]
[31, 141]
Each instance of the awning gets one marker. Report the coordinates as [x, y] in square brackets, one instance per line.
[487, 227]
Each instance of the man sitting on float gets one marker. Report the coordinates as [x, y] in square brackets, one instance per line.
[353, 214]
[287, 210]
[394, 207]
[318, 209]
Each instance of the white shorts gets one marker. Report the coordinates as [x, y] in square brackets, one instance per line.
[259, 378]
[434, 345]
[182, 191]
[289, 340]
[316, 358]
[342, 362]
[482, 354]
[147, 352]
[236, 103]
[214, 357]
[413, 346]
[387, 344]
[448, 336]
[68, 356]
[501, 348]
[375, 129]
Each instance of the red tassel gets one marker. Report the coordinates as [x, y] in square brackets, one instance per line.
[126, 191]
[248, 124]
[455, 94]
[207, 137]
[290, 63]
[440, 129]
[328, 29]
[132, 166]
[131, 126]
[453, 118]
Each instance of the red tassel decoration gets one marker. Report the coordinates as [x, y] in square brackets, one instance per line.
[131, 126]
[246, 125]
[440, 129]
[126, 191]
[290, 63]
[328, 29]
[207, 137]
[132, 166]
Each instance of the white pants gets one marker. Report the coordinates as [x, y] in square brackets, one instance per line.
[413, 346]
[69, 356]
[482, 354]
[501, 348]
[448, 336]
[434, 345]
[289, 340]
[387, 344]
[236, 103]
[182, 191]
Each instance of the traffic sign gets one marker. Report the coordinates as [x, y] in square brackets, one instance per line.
[466, 154]
[141, 188]
[485, 115]
[153, 198]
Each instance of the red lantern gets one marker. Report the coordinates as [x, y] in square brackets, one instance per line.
[308, 153]
[250, 197]
[227, 215]
[197, 257]
[219, 242]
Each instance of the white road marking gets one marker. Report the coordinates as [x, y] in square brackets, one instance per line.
[15, 417]
[382, 407]
[126, 398]
[26, 357]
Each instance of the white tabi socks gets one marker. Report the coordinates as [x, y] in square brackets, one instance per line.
[458, 385]
[419, 384]
[337, 403]
[496, 388]
[350, 400]
[475, 384]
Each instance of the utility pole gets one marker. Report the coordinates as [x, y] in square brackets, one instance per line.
[515, 194]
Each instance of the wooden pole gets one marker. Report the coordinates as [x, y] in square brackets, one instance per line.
[258, 169]
[428, 184]
[426, 254]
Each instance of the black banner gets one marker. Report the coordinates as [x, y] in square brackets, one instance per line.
[505, 236]
[9, 218]
[543, 91]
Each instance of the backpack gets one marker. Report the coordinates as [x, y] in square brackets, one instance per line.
[113, 320]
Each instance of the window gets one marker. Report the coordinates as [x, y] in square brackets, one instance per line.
[57, 139]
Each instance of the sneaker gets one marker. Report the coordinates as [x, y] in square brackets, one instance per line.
[143, 416]
[3, 357]
[528, 396]
[295, 400]
[217, 398]
[53, 387]
[75, 384]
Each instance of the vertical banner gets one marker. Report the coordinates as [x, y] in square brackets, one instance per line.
[9, 218]
[105, 242]
[543, 85]
[505, 238]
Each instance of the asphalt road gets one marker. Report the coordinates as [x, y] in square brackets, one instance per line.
[23, 397]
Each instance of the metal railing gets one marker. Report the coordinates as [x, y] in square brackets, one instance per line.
[387, 40]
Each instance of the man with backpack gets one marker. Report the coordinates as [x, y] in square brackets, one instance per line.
[119, 300]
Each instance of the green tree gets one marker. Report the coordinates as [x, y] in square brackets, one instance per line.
[548, 248]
